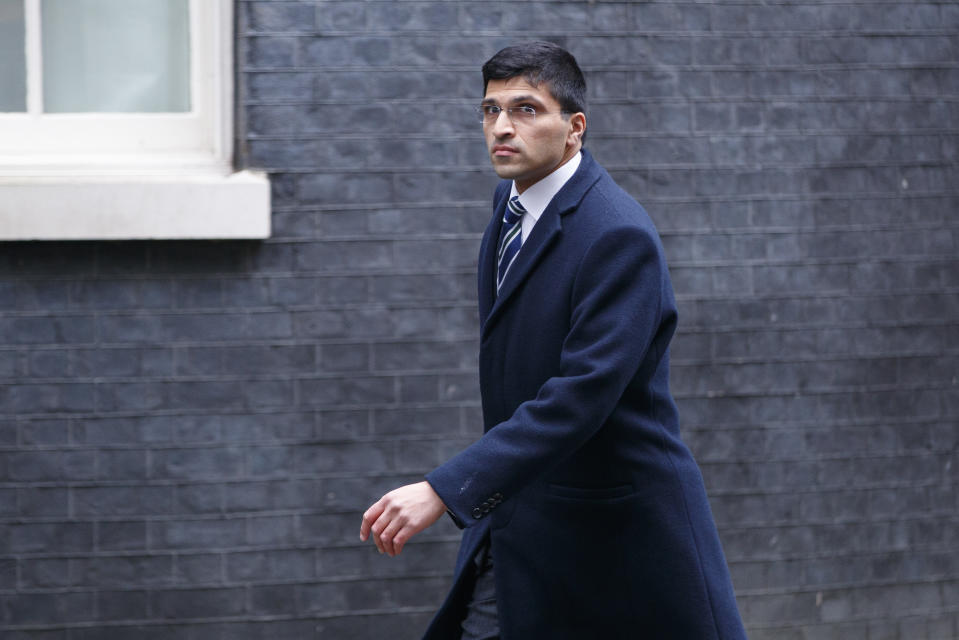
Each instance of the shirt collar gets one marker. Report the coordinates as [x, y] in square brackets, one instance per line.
[536, 198]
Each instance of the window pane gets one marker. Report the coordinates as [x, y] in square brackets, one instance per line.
[116, 55]
[13, 57]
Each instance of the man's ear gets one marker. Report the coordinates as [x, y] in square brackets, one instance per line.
[577, 128]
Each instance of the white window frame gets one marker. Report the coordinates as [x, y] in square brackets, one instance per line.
[133, 175]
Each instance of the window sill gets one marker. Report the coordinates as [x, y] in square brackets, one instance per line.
[162, 207]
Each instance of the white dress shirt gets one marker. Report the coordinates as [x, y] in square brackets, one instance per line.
[537, 197]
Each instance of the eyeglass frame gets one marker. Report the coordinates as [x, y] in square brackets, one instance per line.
[481, 112]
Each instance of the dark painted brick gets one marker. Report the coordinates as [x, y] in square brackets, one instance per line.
[197, 603]
[342, 458]
[347, 424]
[122, 536]
[44, 502]
[267, 427]
[44, 432]
[112, 501]
[121, 605]
[285, 16]
[8, 503]
[193, 534]
[260, 496]
[195, 463]
[38, 537]
[344, 357]
[48, 608]
[262, 461]
[353, 390]
[273, 85]
[197, 568]
[332, 256]
[44, 573]
[271, 565]
[198, 498]
[270, 52]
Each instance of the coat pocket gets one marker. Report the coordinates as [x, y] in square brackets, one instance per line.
[589, 493]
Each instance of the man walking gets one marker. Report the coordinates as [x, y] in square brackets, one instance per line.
[584, 514]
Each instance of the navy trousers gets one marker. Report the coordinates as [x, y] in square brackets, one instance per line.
[481, 621]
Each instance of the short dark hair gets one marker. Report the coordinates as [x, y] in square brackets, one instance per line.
[541, 62]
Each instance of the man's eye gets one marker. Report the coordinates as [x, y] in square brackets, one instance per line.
[526, 110]
[491, 110]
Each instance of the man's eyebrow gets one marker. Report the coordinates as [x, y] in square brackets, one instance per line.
[515, 100]
[524, 98]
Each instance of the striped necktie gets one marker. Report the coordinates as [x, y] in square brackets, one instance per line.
[512, 239]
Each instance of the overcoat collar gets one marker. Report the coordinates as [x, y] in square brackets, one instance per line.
[546, 231]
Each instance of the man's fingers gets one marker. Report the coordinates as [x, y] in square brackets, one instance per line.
[388, 535]
[381, 521]
[377, 531]
[404, 531]
[399, 540]
[371, 515]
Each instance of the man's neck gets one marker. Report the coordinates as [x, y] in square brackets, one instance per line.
[569, 155]
[536, 197]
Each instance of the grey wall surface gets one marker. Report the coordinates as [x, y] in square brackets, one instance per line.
[189, 432]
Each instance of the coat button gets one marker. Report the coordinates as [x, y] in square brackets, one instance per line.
[477, 513]
[497, 496]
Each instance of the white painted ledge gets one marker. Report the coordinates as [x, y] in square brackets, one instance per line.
[162, 207]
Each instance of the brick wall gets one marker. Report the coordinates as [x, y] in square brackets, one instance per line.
[190, 431]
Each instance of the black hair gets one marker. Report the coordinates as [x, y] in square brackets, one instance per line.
[541, 63]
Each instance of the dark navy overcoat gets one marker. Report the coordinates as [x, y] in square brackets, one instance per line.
[598, 518]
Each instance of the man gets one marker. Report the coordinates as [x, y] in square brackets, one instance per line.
[585, 515]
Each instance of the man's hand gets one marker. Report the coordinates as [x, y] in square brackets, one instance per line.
[401, 514]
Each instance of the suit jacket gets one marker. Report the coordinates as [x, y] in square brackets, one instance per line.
[596, 511]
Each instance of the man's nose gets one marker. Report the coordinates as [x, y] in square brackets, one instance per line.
[503, 125]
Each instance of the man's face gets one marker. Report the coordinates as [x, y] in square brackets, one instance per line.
[528, 151]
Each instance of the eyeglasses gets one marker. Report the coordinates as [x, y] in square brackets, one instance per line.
[524, 114]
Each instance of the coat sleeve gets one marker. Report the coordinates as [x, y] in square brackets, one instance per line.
[617, 307]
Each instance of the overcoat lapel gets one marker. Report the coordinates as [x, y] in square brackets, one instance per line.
[487, 258]
[544, 234]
